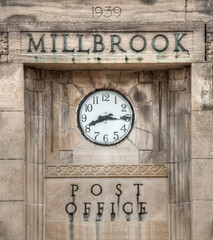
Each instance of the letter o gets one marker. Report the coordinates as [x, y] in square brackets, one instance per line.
[153, 43]
[131, 43]
[75, 208]
[100, 189]
[128, 212]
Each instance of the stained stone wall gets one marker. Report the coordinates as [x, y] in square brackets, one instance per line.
[179, 133]
[52, 137]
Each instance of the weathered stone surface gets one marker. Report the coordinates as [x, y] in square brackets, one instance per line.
[202, 212]
[179, 188]
[202, 179]
[34, 218]
[64, 11]
[12, 180]
[151, 104]
[12, 139]
[178, 80]
[11, 87]
[66, 157]
[157, 199]
[3, 43]
[69, 139]
[145, 156]
[202, 86]
[142, 134]
[198, 10]
[34, 191]
[89, 153]
[59, 230]
[180, 221]
[180, 138]
[12, 220]
[209, 45]
[160, 230]
[201, 133]
[108, 55]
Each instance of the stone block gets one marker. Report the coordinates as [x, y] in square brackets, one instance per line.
[57, 230]
[198, 10]
[3, 43]
[11, 87]
[179, 182]
[66, 157]
[59, 192]
[160, 230]
[34, 192]
[34, 221]
[89, 153]
[12, 180]
[141, 138]
[180, 221]
[12, 220]
[145, 156]
[202, 86]
[12, 131]
[70, 139]
[202, 179]
[201, 134]
[202, 220]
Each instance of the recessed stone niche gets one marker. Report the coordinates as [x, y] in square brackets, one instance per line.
[137, 189]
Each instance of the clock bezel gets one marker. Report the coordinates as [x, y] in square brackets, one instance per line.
[86, 97]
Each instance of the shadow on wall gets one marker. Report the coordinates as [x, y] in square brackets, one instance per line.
[3, 232]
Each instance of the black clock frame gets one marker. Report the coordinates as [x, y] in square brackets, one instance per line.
[86, 97]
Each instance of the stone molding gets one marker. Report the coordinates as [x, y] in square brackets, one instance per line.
[3, 43]
[79, 171]
[209, 46]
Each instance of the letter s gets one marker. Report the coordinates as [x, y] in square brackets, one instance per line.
[119, 189]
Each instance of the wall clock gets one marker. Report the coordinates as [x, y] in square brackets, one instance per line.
[105, 117]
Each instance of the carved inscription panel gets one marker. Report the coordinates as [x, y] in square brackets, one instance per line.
[108, 47]
[123, 208]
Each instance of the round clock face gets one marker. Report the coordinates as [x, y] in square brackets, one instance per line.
[105, 117]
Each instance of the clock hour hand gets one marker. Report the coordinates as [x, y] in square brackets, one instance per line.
[102, 119]
[109, 117]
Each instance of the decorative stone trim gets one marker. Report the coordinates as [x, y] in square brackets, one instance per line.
[82, 171]
[3, 43]
[209, 46]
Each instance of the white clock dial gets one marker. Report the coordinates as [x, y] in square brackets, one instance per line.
[105, 117]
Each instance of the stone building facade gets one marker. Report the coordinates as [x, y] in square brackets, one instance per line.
[155, 184]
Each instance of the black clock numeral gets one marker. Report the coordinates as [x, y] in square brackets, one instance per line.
[105, 97]
[88, 107]
[97, 133]
[123, 107]
[87, 128]
[115, 100]
[95, 100]
[105, 138]
[124, 128]
[83, 117]
[116, 136]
